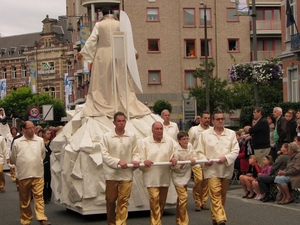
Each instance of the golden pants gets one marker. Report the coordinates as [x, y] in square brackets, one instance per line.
[117, 191]
[13, 174]
[217, 190]
[182, 217]
[34, 187]
[2, 178]
[200, 189]
[157, 199]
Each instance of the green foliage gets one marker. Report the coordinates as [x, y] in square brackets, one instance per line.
[19, 101]
[160, 105]
[219, 93]
[247, 116]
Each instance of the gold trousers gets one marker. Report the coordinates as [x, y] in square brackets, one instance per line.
[117, 191]
[217, 190]
[2, 178]
[200, 189]
[157, 199]
[34, 187]
[182, 217]
[13, 174]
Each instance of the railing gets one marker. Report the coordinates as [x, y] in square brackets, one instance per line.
[265, 55]
[267, 25]
[295, 41]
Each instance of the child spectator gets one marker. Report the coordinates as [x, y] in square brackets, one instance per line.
[267, 166]
[181, 175]
[246, 180]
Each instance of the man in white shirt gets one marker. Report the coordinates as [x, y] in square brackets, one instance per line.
[156, 148]
[3, 153]
[200, 189]
[28, 153]
[170, 128]
[118, 147]
[220, 143]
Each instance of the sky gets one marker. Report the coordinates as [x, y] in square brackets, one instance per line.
[25, 16]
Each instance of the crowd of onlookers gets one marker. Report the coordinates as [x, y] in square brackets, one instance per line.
[268, 164]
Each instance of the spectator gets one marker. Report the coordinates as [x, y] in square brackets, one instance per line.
[292, 126]
[47, 193]
[265, 181]
[196, 121]
[267, 166]
[281, 128]
[290, 175]
[260, 133]
[247, 179]
[243, 156]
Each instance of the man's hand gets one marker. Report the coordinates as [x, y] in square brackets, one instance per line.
[79, 56]
[137, 56]
[193, 161]
[209, 163]
[222, 159]
[136, 164]
[281, 172]
[148, 162]
[123, 164]
[174, 161]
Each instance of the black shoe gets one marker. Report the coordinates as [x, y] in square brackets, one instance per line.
[267, 198]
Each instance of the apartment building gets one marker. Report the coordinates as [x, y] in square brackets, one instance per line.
[169, 37]
[291, 52]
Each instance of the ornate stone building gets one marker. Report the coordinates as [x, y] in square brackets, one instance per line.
[47, 51]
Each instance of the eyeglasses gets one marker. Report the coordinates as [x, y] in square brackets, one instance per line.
[220, 119]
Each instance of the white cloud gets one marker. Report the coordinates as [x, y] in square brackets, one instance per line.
[25, 16]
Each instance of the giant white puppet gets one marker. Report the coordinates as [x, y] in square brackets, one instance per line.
[77, 174]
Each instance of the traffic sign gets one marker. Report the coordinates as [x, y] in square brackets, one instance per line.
[34, 111]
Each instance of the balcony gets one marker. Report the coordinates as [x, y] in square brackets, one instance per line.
[100, 3]
[295, 42]
[267, 26]
[70, 51]
[266, 55]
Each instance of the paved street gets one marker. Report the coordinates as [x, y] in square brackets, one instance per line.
[239, 211]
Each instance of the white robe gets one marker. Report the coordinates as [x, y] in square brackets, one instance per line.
[100, 99]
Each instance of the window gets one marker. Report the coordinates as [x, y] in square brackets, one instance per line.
[190, 80]
[292, 29]
[190, 48]
[152, 14]
[233, 45]
[50, 91]
[202, 50]
[231, 15]
[69, 67]
[23, 71]
[208, 17]
[293, 85]
[153, 45]
[3, 71]
[189, 17]
[47, 68]
[13, 72]
[154, 77]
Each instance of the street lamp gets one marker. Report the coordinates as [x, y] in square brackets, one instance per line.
[206, 59]
[254, 46]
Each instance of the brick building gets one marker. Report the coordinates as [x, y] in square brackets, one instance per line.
[47, 50]
[169, 36]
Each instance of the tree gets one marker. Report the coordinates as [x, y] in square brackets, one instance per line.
[18, 103]
[160, 105]
[219, 92]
